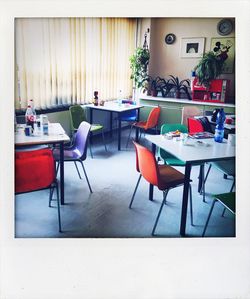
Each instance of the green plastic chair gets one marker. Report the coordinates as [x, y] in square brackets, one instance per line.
[168, 158]
[227, 200]
[77, 115]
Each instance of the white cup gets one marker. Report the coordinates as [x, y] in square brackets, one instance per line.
[231, 139]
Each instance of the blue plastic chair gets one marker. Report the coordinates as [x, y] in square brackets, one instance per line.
[129, 115]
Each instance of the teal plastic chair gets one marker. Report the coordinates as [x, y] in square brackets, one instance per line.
[227, 200]
[166, 157]
[170, 159]
[77, 115]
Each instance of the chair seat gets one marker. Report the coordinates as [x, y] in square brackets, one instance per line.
[128, 118]
[169, 177]
[96, 127]
[140, 124]
[68, 154]
[225, 166]
[172, 160]
[228, 200]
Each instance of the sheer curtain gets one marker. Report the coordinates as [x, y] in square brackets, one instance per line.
[62, 61]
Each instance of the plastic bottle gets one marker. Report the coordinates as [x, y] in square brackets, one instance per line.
[219, 129]
[30, 117]
[192, 80]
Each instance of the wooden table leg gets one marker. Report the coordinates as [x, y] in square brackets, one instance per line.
[185, 200]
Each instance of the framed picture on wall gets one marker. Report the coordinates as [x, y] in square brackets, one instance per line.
[225, 47]
[192, 47]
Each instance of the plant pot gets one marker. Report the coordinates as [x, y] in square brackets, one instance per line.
[177, 94]
[154, 93]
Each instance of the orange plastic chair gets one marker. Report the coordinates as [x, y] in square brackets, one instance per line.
[150, 123]
[35, 170]
[164, 177]
[194, 126]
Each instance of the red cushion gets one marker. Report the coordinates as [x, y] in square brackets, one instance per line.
[34, 170]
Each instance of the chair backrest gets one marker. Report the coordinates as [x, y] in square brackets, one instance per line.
[194, 126]
[166, 128]
[129, 115]
[77, 115]
[81, 139]
[189, 111]
[205, 124]
[147, 164]
[34, 170]
[153, 118]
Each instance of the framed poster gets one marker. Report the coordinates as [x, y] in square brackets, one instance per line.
[225, 47]
[192, 47]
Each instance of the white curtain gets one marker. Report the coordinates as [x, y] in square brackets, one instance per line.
[62, 61]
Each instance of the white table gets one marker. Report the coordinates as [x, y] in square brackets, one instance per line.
[56, 135]
[117, 108]
[191, 153]
[226, 126]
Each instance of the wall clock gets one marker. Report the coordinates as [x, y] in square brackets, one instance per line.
[225, 27]
[170, 39]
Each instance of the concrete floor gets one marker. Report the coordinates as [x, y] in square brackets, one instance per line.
[105, 212]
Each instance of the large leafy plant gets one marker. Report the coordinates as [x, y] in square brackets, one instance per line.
[139, 66]
[209, 68]
[179, 86]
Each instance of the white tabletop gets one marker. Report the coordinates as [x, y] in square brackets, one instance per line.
[193, 151]
[114, 107]
[56, 134]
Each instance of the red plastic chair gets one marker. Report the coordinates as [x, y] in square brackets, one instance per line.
[35, 170]
[150, 123]
[164, 177]
[194, 126]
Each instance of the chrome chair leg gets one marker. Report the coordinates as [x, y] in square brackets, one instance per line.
[159, 213]
[208, 218]
[58, 209]
[57, 167]
[204, 182]
[129, 135]
[103, 139]
[51, 191]
[90, 150]
[85, 173]
[78, 170]
[133, 196]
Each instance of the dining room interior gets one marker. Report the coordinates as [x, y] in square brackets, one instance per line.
[125, 127]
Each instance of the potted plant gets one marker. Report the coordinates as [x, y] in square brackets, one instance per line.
[209, 68]
[179, 86]
[139, 66]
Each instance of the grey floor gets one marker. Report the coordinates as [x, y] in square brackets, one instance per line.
[105, 212]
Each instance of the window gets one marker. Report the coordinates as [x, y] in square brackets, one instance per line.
[62, 61]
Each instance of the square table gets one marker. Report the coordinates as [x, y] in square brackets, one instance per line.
[56, 135]
[117, 108]
[192, 153]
